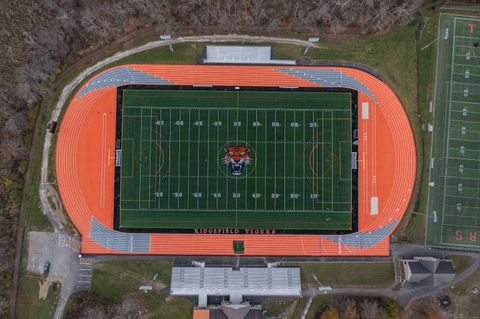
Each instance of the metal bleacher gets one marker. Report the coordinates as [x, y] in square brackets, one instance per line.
[364, 238]
[330, 78]
[114, 240]
[120, 76]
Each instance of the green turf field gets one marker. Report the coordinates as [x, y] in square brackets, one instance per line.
[173, 170]
[454, 200]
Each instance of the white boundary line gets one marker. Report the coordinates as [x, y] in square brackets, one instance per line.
[140, 162]
[448, 126]
[208, 159]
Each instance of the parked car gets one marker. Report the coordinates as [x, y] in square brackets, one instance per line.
[46, 268]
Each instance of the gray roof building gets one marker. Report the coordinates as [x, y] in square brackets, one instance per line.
[428, 271]
[226, 281]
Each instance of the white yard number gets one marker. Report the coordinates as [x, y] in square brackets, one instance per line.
[256, 124]
[158, 123]
[467, 73]
[177, 194]
[275, 195]
[465, 111]
[276, 124]
[464, 130]
[460, 168]
[217, 123]
[256, 195]
[236, 195]
[465, 92]
[294, 196]
[237, 123]
[294, 124]
[313, 196]
[179, 123]
[198, 123]
[313, 124]
[158, 194]
[197, 195]
[462, 150]
[217, 195]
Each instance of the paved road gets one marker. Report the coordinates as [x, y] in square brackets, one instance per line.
[77, 270]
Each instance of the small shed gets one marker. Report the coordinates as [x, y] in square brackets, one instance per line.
[428, 271]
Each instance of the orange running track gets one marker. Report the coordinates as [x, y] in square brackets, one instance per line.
[85, 162]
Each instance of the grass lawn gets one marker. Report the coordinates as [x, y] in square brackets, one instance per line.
[460, 263]
[28, 304]
[114, 279]
[318, 304]
[338, 275]
[275, 307]
[297, 312]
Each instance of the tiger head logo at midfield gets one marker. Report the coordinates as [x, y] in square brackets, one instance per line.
[237, 158]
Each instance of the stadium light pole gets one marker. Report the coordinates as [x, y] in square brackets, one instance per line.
[444, 34]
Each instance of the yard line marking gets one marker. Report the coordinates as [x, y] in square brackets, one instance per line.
[236, 179]
[208, 156]
[284, 159]
[294, 160]
[188, 157]
[265, 159]
[448, 127]
[314, 159]
[160, 155]
[323, 161]
[179, 157]
[331, 160]
[465, 102]
[216, 159]
[275, 159]
[305, 160]
[465, 140]
[246, 176]
[170, 159]
[465, 83]
[140, 161]
[256, 158]
[227, 180]
[150, 160]
[198, 160]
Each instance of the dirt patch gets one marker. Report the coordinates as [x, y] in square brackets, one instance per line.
[45, 285]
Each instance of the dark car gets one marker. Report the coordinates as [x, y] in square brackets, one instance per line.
[46, 268]
[52, 126]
